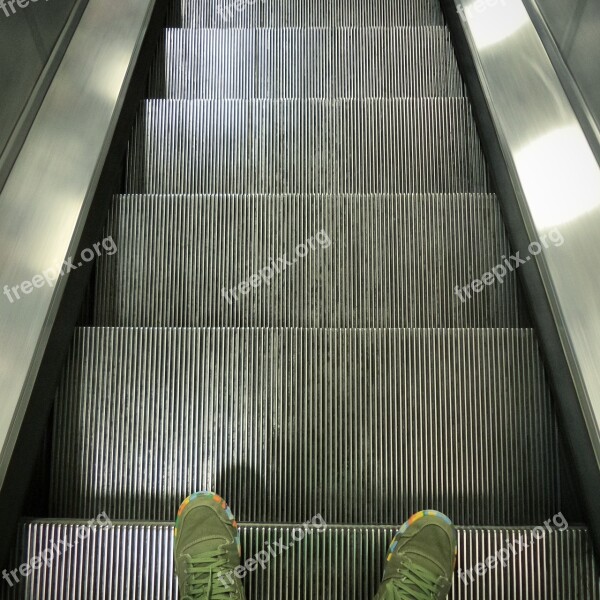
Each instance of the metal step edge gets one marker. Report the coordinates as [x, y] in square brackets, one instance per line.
[145, 417]
[199, 30]
[335, 563]
[224, 239]
[282, 329]
[488, 196]
[169, 147]
[199, 13]
[250, 525]
[300, 63]
[327, 102]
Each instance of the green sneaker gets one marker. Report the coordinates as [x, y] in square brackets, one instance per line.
[421, 559]
[207, 549]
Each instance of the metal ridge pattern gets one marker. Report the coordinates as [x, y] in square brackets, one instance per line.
[384, 261]
[360, 425]
[304, 13]
[336, 563]
[316, 145]
[381, 62]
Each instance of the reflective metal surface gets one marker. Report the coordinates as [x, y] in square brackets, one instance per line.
[336, 562]
[27, 36]
[575, 26]
[46, 198]
[35, 37]
[354, 423]
[555, 174]
[353, 418]
[405, 236]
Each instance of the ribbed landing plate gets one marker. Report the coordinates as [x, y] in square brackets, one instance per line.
[375, 261]
[304, 13]
[273, 146]
[135, 562]
[362, 426]
[306, 63]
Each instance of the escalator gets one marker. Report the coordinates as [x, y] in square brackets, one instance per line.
[304, 194]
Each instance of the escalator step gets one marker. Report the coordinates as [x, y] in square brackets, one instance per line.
[375, 261]
[135, 561]
[363, 426]
[303, 13]
[386, 62]
[276, 146]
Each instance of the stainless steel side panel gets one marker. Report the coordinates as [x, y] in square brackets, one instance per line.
[555, 174]
[46, 199]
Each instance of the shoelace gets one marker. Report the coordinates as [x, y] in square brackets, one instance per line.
[416, 583]
[206, 577]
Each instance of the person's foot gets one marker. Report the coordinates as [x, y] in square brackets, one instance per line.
[207, 549]
[421, 559]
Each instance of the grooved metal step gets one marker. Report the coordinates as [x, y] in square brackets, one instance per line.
[362, 426]
[135, 561]
[374, 261]
[275, 146]
[304, 13]
[306, 63]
